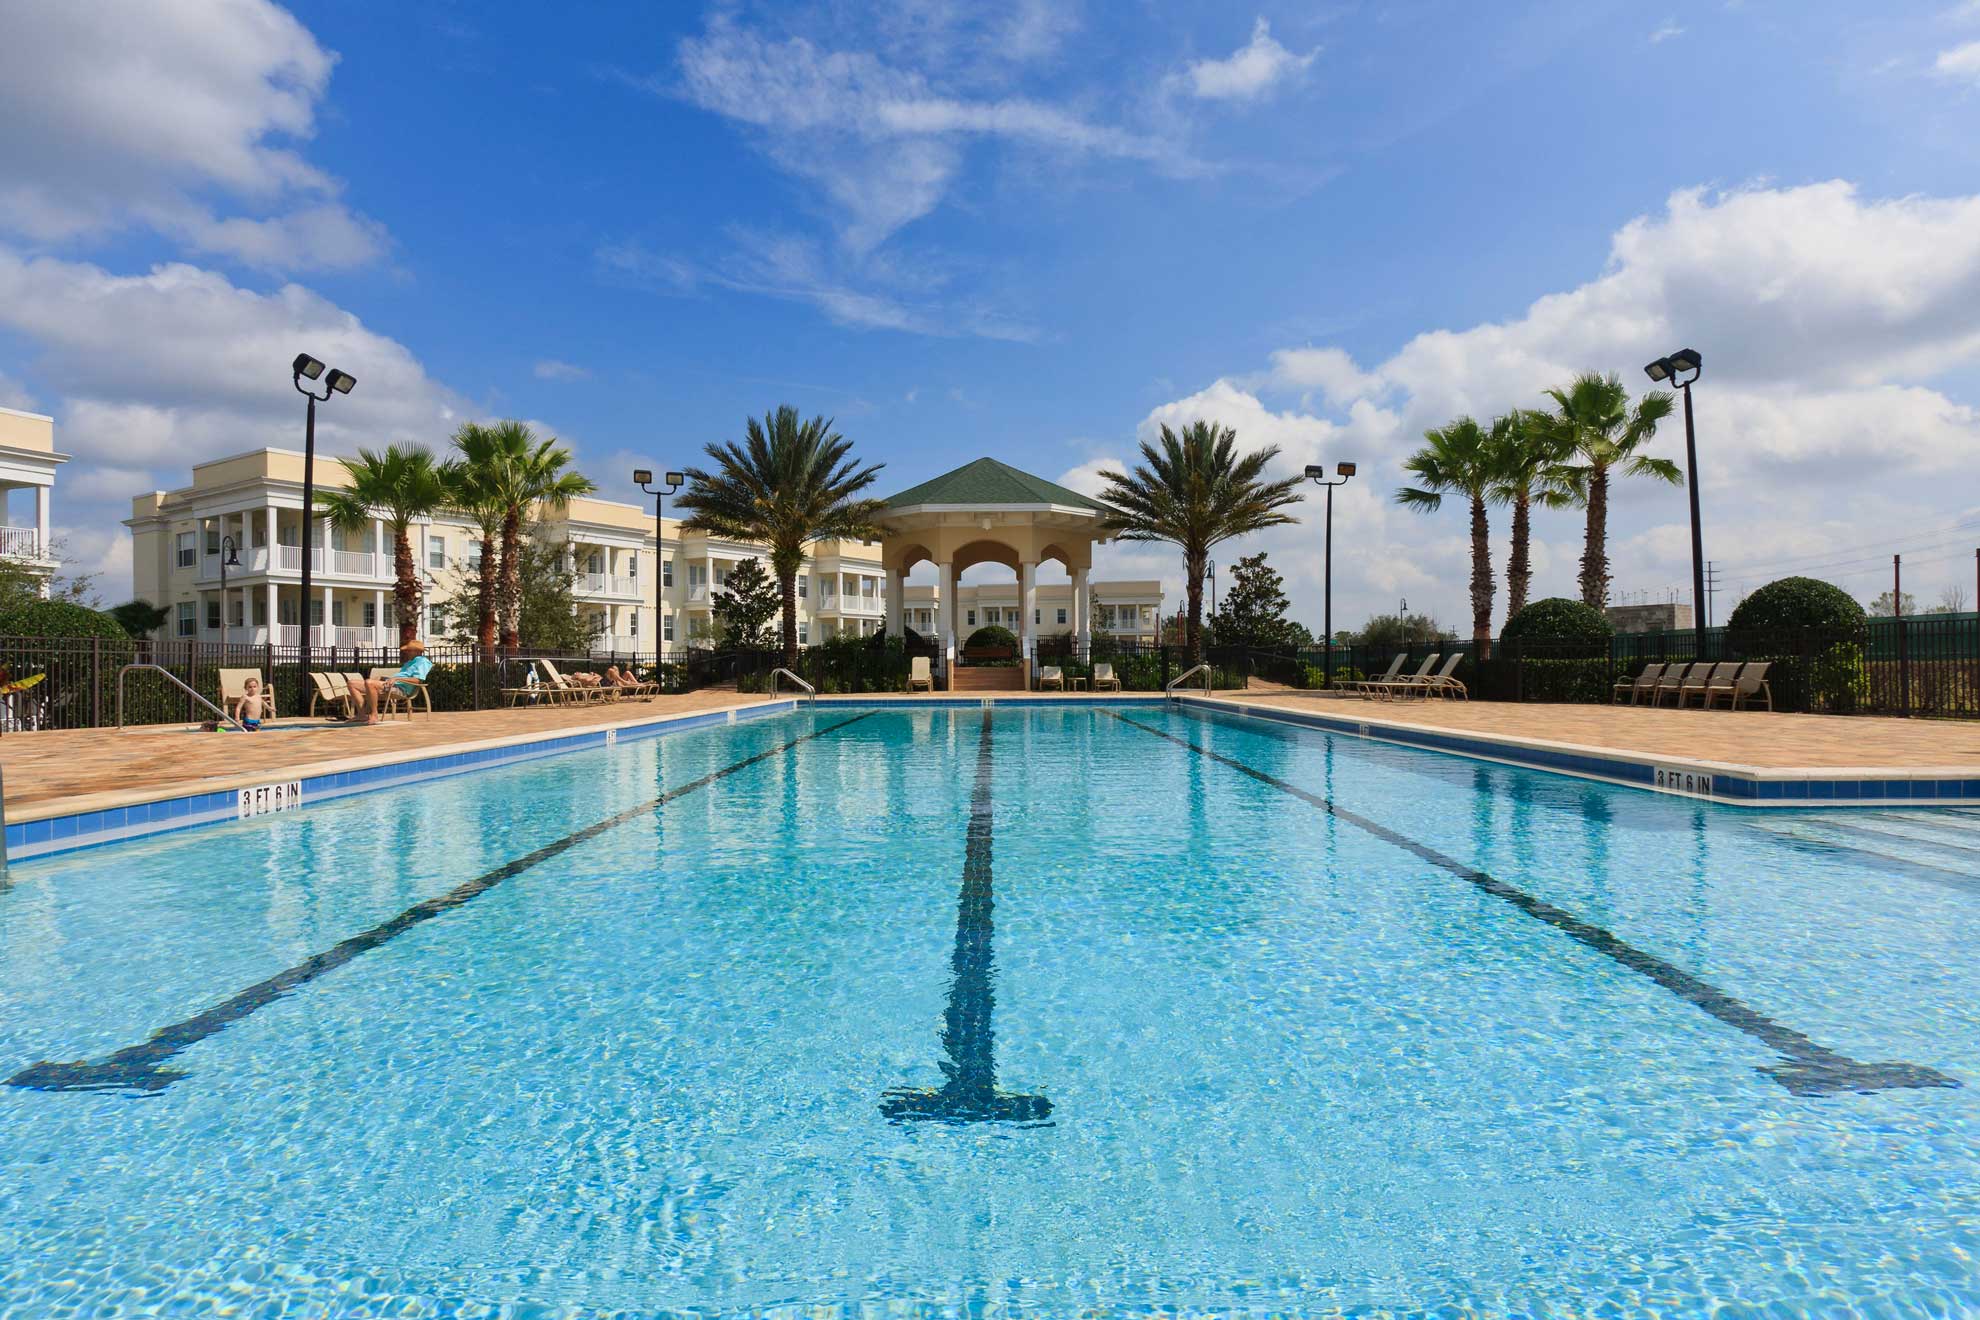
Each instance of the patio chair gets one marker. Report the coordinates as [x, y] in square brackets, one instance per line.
[919, 675]
[1672, 682]
[1635, 688]
[1441, 684]
[1103, 678]
[1389, 676]
[397, 698]
[1751, 681]
[1701, 679]
[572, 691]
[233, 687]
[1051, 676]
[1389, 689]
[332, 692]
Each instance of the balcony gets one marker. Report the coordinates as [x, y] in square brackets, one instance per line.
[608, 584]
[20, 543]
[618, 644]
[289, 634]
[342, 563]
[697, 593]
[252, 561]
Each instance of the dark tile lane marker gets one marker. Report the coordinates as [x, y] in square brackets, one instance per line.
[970, 1094]
[1806, 1069]
[136, 1067]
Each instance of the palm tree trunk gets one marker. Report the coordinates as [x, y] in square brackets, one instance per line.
[405, 591]
[1481, 580]
[787, 586]
[511, 574]
[1193, 568]
[1595, 545]
[490, 585]
[1519, 566]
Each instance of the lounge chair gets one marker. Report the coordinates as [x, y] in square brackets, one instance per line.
[1672, 682]
[573, 691]
[919, 675]
[331, 691]
[1701, 679]
[233, 688]
[397, 697]
[1389, 676]
[1103, 678]
[1635, 688]
[1751, 681]
[1384, 691]
[1441, 684]
[1051, 676]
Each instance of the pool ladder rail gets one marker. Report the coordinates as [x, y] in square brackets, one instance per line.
[810, 692]
[178, 683]
[1176, 683]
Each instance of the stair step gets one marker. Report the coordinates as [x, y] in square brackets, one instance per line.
[988, 679]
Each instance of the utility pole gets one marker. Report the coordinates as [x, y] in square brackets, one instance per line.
[1711, 594]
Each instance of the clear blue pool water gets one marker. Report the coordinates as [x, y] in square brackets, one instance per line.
[1098, 1012]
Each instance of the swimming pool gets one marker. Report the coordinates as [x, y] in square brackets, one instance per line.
[912, 1011]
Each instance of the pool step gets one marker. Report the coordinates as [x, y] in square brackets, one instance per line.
[988, 678]
[1881, 840]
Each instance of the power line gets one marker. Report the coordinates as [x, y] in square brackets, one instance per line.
[1849, 554]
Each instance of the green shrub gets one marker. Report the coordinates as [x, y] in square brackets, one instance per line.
[59, 618]
[1586, 682]
[1558, 619]
[1794, 603]
[991, 636]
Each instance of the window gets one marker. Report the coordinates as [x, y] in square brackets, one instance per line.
[803, 581]
[667, 575]
[213, 540]
[188, 551]
[436, 551]
[370, 615]
[635, 623]
[1062, 616]
[258, 537]
[804, 632]
[971, 620]
[594, 562]
[474, 555]
[391, 613]
[1038, 617]
[336, 614]
[236, 614]
[667, 627]
[632, 566]
[188, 618]
[213, 614]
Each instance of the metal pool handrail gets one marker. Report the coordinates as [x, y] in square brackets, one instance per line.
[176, 683]
[1187, 674]
[811, 692]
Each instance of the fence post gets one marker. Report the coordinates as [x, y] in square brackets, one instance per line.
[96, 682]
[1904, 660]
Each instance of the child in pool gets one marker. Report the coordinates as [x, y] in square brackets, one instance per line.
[251, 704]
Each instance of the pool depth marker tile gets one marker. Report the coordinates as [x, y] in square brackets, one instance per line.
[1808, 1068]
[135, 1067]
[970, 1094]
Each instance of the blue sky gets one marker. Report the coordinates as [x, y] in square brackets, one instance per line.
[1030, 230]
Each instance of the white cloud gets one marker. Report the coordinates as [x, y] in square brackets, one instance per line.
[1248, 72]
[1960, 62]
[1665, 33]
[13, 394]
[1830, 326]
[556, 369]
[114, 120]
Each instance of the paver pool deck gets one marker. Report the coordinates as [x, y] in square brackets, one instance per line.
[81, 770]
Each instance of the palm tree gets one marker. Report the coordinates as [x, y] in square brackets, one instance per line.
[402, 483]
[474, 489]
[788, 484]
[1594, 423]
[523, 474]
[1193, 490]
[1529, 472]
[1462, 458]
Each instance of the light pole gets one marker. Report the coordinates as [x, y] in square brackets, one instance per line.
[1317, 474]
[1673, 369]
[306, 367]
[229, 557]
[1211, 571]
[673, 481]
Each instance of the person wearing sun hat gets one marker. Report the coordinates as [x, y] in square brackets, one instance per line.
[413, 669]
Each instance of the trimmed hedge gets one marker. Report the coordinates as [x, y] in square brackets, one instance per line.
[59, 618]
[1798, 603]
[1558, 619]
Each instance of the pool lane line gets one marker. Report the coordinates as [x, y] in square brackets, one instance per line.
[136, 1067]
[970, 1094]
[1807, 1068]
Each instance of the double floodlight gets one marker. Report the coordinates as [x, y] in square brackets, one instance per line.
[1318, 471]
[306, 367]
[644, 477]
[1670, 368]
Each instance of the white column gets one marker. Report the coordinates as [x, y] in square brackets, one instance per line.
[271, 512]
[946, 590]
[1028, 610]
[377, 615]
[1082, 610]
[41, 521]
[379, 563]
[326, 634]
[894, 587]
[274, 597]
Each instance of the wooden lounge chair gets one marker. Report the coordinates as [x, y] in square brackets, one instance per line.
[1751, 681]
[1636, 688]
[331, 690]
[1389, 676]
[397, 698]
[1700, 679]
[919, 675]
[1051, 676]
[1103, 678]
[1387, 690]
[233, 688]
[1671, 682]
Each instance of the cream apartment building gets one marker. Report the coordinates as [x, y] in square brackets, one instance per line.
[248, 508]
[27, 485]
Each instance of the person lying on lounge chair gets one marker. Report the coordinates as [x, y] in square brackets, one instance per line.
[369, 694]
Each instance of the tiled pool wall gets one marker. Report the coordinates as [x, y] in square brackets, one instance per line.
[86, 829]
[1705, 780]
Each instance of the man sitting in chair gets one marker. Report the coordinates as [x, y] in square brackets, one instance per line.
[371, 693]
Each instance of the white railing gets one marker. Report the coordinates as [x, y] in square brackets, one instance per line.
[252, 561]
[697, 591]
[20, 542]
[607, 584]
[616, 643]
[289, 634]
[344, 563]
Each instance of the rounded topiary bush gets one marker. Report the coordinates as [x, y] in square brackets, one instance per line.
[1798, 602]
[990, 636]
[59, 618]
[1558, 619]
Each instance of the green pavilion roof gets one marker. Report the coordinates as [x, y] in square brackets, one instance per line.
[986, 481]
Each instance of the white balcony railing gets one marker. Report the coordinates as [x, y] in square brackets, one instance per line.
[20, 542]
[607, 584]
[252, 561]
[617, 644]
[697, 591]
[344, 563]
[289, 634]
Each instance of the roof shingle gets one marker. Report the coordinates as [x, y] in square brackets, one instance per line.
[986, 481]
